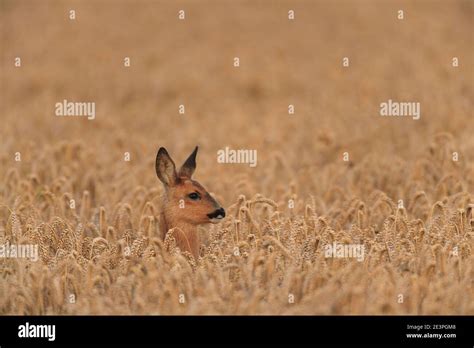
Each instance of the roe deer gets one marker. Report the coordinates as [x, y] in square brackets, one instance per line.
[185, 203]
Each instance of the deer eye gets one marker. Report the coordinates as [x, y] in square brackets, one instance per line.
[194, 196]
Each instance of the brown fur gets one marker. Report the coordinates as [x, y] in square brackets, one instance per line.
[178, 185]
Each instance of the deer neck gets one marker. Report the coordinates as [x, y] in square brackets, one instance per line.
[185, 234]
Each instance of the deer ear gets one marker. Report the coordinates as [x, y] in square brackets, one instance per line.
[188, 167]
[165, 168]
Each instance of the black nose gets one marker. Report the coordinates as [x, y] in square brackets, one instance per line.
[218, 214]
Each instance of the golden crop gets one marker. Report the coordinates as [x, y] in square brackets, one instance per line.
[94, 215]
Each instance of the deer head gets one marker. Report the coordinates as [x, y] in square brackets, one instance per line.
[186, 203]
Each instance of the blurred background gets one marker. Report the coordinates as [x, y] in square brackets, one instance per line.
[190, 62]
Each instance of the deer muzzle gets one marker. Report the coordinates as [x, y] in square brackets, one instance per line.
[216, 215]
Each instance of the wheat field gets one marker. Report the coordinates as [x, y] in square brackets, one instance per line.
[406, 192]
